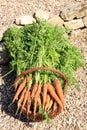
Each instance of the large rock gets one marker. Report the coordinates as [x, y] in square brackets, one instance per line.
[74, 24]
[85, 21]
[42, 14]
[23, 20]
[74, 11]
[56, 20]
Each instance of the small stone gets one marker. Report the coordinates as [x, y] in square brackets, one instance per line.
[74, 24]
[68, 120]
[23, 20]
[85, 21]
[56, 20]
[74, 11]
[42, 14]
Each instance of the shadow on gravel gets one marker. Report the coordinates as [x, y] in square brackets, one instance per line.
[7, 93]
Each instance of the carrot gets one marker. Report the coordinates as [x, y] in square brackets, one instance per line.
[44, 94]
[22, 96]
[39, 100]
[54, 106]
[28, 103]
[19, 103]
[54, 95]
[47, 101]
[34, 90]
[50, 105]
[36, 97]
[25, 99]
[59, 90]
[21, 87]
[17, 82]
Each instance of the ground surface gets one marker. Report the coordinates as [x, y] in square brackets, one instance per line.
[75, 115]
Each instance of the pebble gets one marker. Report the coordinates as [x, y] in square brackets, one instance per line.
[23, 20]
[42, 14]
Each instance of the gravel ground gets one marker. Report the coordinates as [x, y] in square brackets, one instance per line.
[74, 117]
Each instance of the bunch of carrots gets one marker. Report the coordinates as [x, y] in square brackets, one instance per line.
[31, 96]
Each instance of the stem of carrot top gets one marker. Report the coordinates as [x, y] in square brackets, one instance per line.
[7, 73]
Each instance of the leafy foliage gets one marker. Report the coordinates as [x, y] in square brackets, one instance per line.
[45, 115]
[42, 44]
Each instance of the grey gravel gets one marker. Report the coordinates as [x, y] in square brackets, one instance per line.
[74, 117]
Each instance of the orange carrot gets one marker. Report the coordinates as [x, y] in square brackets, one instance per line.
[28, 103]
[21, 87]
[17, 82]
[19, 103]
[39, 101]
[22, 96]
[59, 90]
[50, 105]
[54, 95]
[25, 99]
[44, 94]
[54, 106]
[34, 90]
[36, 97]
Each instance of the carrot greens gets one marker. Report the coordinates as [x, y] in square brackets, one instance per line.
[42, 44]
